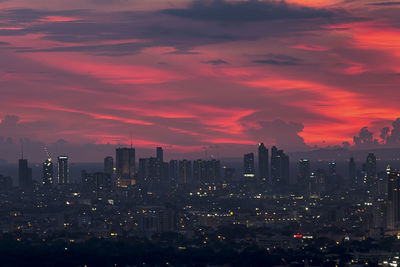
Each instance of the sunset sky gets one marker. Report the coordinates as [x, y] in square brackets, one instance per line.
[197, 75]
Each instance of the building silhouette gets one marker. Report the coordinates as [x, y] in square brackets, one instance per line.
[63, 170]
[303, 175]
[185, 172]
[352, 172]
[248, 166]
[24, 175]
[279, 168]
[263, 171]
[125, 166]
[109, 166]
[370, 174]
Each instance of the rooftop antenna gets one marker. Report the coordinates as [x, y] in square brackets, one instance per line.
[47, 152]
[22, 149]
[131, 140]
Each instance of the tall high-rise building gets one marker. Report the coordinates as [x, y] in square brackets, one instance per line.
[185, 172]
[263, 163]
[303, 175]
[109, 166]
[160, 154]
[279, 167]
[248, 166]
[63, 170]
[125, 166]
[333, 181]
[24, 175]
[370, 174]
[199, 171]
[393, 186]
[353, 173]
[173, 172]
[48, 172]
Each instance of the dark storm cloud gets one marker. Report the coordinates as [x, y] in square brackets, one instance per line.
[285, 134]
[384, 4]
[161, 29]
[106, 49]
[279, 59]
[365, 137]
[245, 11]
[27, 15]
[216, 62]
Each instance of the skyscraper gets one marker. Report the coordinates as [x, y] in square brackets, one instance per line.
[370, 170]
[333, 181]
[199, 171]
[173, 172]
[279, 167]
[185, 172]
[24, 175]
[63, 170]
[48, 173]
[109, 165]
[353, 173]
[303, 175]
[248, 166]
[125, 165]
[263, 163]
[393, 178]
[160, 154]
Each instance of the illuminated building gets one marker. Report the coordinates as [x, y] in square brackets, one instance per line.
[370, 170]
[48, 172]
[63, 170]
[279, 167]
[125, 166]
[248, 166]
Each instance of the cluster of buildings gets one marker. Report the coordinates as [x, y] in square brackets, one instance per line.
[151, 195]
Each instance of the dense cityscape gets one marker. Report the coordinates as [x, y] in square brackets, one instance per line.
[213, 212]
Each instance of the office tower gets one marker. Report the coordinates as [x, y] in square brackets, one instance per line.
[199, 171]
[353, 173]
[159, 166]
[213, 171]
[160, 154]
[63, 170]
[185, 172]
[393, 178]
[25, 175]
[303, 175]
[316, 183]
[248, 166]
[370, 170]
[333, 181]
[125, 166]
[109, 166]
[279, 167]
[48, 173]
[173, 172]
[263, 163]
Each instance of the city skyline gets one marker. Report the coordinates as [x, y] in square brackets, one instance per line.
[193, 75]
